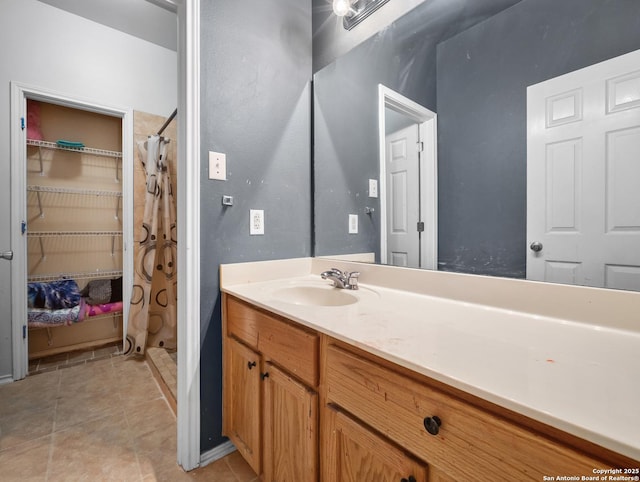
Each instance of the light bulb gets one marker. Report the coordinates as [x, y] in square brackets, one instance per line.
[341, 7]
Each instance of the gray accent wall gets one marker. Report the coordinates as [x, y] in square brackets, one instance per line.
[482, 77]
[255, 108]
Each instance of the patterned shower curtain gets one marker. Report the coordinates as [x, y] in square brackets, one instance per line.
[152, 316]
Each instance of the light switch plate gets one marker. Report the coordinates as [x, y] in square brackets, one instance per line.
[353, 224]
[373, 188]
[217, 166]
[256, 222]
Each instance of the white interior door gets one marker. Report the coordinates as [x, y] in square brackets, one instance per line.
[583, 176]
[403, 197]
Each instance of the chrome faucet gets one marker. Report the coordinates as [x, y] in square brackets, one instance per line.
[346, 280]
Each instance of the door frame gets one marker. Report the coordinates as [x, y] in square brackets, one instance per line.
[188, 215]
[188, 186]
[20, 92]
[188, 183]
[427, 125]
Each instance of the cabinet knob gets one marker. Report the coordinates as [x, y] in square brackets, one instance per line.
[432, 424]
[251, 364]
[410, 479]
[264, 375]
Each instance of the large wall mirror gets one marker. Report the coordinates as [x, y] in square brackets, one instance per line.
[476, 66]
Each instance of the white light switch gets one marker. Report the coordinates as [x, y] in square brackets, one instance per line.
[373, 188]
[217, 166]
[353, 224]
[256, 222]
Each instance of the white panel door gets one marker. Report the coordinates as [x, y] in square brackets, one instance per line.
[403, 197]
[583, 176]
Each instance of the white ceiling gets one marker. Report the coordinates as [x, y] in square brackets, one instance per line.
[150, 20]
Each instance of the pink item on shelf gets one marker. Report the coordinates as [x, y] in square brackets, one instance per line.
[33, 120]
[95, 310]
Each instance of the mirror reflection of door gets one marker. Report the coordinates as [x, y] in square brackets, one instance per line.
[403, 191]
[583, 144]
[408, 182]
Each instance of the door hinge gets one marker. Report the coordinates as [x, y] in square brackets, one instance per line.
[23, 227]
[22, 123]
[420, 146]
[420, 226]
[24, 331]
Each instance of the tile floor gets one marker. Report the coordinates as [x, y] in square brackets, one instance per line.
[80, 357]
[100, 420]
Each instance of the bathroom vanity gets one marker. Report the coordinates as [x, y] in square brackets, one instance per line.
[423, 375]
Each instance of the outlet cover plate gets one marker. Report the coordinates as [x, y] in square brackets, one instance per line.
[373, 188]
[217, 166]
[353, 224]
[256, 222]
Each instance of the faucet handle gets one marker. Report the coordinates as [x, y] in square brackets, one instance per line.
[352, 279]
[330, 272]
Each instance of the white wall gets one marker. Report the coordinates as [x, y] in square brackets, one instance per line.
[49, 48]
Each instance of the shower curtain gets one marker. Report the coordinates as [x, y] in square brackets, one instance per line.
[152, 315]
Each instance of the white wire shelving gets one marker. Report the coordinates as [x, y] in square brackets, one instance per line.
[81, 150]
[81, 275]
[74, 191]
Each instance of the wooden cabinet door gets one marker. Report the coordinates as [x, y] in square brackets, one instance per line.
[241, 401]
[354, 453]
[290, 449]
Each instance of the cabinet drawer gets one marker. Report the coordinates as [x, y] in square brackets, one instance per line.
[471, 443]
[293, 348]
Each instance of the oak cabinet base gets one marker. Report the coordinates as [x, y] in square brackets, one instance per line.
[301, 406]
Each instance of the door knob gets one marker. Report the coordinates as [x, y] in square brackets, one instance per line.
[536, 246]
[7, 255]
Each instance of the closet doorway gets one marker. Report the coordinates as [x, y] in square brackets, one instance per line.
[72, 192]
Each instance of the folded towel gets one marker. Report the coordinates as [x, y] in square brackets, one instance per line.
[70, 144]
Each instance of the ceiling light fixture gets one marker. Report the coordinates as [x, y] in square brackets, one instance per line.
[355, 11]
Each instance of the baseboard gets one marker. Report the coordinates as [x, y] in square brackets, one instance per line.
[6, 379]
[216, 453]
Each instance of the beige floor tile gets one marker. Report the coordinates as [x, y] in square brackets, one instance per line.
[88, 381]
[26, 462]
[138, 391]
[218, 471]
[101, 449]
[27, 426]
[150, 416]
[109, 422]
[37, 392]
[240, 467]
[77, 410]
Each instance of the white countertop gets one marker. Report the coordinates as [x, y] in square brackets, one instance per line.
[580, 377]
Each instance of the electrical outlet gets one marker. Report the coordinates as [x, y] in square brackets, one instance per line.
[373, 188]
[217, 166]
[353, 224]
[256, 222]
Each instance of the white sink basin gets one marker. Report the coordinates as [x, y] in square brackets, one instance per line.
[315, 296]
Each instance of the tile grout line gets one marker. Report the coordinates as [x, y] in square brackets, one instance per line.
[128, 422]
[53, 429]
